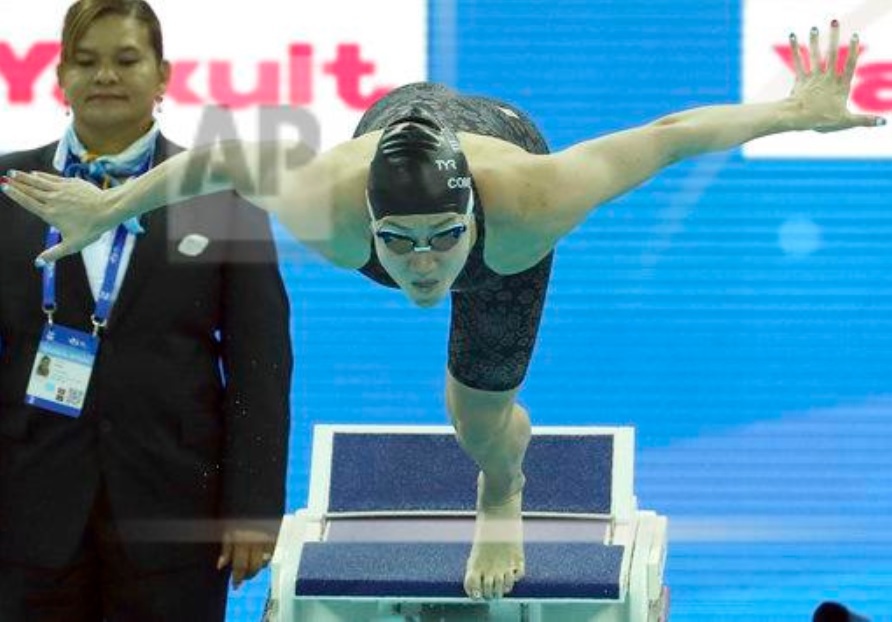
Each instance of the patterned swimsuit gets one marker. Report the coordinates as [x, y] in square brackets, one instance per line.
[495, 317]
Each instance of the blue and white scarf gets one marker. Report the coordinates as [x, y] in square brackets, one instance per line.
[72, 159]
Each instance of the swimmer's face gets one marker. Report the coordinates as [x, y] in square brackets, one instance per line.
[424, 253]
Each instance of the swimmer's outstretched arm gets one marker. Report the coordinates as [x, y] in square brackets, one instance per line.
[286, 179]
[557, 192]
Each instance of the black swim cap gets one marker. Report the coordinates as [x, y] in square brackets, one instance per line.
[418, 168]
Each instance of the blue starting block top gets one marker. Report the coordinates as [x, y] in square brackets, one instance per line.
[555, 571]
[430, 473]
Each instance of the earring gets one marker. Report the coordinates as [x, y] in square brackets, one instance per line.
[158, 108]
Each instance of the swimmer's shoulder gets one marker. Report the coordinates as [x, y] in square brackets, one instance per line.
[504, 175]
[505, 178]
[328, 202]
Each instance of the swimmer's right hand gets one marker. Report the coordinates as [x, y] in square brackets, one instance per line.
[78, 209]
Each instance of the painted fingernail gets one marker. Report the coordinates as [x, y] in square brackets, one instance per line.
[11, 173]
[880, 121]
[835, 23]
[40, 263]
[814, 31]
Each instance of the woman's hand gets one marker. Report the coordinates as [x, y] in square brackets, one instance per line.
[821, 93]
[248, 551]
[78, 209]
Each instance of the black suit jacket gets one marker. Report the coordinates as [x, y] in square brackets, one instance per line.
[187, 414]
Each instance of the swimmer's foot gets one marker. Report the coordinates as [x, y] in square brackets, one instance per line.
[497, 561]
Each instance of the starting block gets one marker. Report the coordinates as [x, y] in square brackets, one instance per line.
[390, 520]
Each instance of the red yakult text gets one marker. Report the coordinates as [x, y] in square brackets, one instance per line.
[298, 73]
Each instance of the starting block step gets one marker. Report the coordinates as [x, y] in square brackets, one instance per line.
[559, 570]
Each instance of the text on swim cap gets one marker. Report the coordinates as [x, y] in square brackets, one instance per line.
[446, 165]
[459, 182]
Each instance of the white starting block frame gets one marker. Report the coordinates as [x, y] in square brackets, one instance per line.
[642, 596]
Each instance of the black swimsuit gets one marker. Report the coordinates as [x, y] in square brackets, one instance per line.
[495, 317]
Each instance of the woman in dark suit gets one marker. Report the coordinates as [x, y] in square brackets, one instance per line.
[148, 462]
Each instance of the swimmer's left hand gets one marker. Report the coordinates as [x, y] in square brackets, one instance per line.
[821, 93]
[248, 550]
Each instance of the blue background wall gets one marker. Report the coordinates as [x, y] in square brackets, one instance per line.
[735, 312]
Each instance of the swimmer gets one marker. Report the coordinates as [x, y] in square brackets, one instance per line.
[439, 194]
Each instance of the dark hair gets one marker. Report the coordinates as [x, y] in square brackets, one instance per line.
[83, 13]
[418, 168]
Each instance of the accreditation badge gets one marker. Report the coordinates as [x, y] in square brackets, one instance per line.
[62, 369]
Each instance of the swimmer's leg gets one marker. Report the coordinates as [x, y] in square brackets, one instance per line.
[495, 432]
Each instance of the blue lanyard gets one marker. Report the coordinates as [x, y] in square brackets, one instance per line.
[104, 301]
[53, 237]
